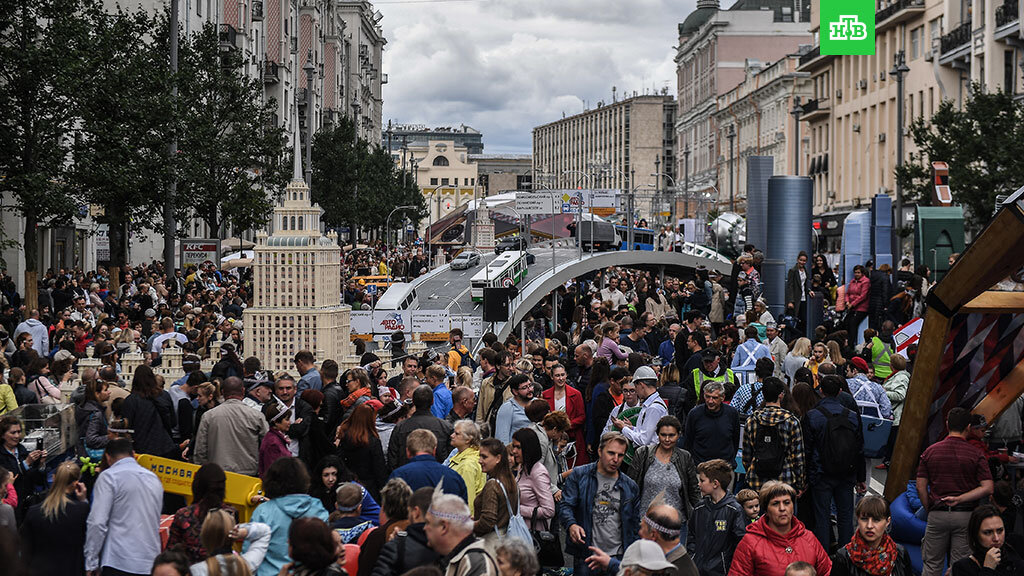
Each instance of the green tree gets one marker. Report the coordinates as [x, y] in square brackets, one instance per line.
[38, 85]
[125, 112]
[982, 142]
[339, 163]
[230, 153]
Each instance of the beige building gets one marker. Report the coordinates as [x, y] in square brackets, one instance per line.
[445, 174]
[608, 143]
[503, 172]
[757, 114]
[853, 111]
[296, 286]
[711, 60]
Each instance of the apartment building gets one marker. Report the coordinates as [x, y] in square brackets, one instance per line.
[711, 60]
[756, 119]
[610, 144]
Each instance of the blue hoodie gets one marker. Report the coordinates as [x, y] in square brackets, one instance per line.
[278, 513]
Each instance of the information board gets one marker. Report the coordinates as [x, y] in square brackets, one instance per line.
[471, 326]
[196, 251]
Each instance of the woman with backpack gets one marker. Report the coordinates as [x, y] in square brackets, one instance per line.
[39, 383]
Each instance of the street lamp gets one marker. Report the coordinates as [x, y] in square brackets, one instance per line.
[797, 111]
[686, 184]
[310, 69]
[899, 70]
[353, 230]
[731, 135]
[387, 234]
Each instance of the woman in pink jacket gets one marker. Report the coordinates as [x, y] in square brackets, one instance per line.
[275, 443]
[857, 301]
[536, 504]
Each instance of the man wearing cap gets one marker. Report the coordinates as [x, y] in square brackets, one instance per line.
[870, 396]
[652, 408]
[258, 394]
[711, 370]
[777, 347]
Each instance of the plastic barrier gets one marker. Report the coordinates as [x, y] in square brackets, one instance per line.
[177, 479]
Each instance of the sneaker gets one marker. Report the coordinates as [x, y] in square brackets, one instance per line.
[882, 466]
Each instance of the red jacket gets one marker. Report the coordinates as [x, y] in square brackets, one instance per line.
[577, 418]
[763, 551]
[857, 294]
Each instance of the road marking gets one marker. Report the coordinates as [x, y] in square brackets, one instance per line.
[876, 487]
[448, 282]
[477, 305]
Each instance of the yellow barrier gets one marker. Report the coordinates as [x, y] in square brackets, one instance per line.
[177, 479]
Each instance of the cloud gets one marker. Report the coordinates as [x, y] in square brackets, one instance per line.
[506, 66]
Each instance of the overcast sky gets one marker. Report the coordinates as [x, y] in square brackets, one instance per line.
[506, 66]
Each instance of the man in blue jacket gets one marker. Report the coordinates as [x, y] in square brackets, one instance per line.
[835, 461]
[599, 506]
[423, 469]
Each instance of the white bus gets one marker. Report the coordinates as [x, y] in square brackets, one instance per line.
[509, 265]
[398, 296]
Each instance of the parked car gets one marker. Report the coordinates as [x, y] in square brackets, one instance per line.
[466, 259]
[510, 243]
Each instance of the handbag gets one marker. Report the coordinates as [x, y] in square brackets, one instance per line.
[42, 395]
[516, 525]
[546, 545]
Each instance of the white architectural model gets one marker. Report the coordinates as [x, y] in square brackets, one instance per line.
[296, 286]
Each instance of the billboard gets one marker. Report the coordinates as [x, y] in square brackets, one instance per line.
[196, 251]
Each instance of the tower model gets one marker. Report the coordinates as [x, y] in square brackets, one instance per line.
[296, 285]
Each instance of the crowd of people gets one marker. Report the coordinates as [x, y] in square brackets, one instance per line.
[645, 425]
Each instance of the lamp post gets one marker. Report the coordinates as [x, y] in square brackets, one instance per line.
[899, 70]
[310, 69]
[387, 229]
[170, 226]
[731, 135]
[353, 230]
[797, 111]
[430, 219]
[686, 185]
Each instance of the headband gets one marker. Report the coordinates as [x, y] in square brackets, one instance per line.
[362, 496]
[670, 533]
[280, 415]
[121, 430]
[454, 517]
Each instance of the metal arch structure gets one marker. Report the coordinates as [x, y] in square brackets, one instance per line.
[541, 285]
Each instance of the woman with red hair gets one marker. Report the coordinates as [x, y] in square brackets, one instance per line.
[360, 449]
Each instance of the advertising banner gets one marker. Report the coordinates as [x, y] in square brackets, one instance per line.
[196, 251]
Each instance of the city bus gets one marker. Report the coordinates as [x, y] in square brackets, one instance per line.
[643, 238]
[506, 270]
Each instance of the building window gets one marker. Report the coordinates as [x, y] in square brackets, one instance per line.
[915, 42]
[440, 161]
[433, 181]
[444, 181]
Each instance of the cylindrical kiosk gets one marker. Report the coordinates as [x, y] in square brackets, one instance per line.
[759, 170]
[773, 275]
[790, 200]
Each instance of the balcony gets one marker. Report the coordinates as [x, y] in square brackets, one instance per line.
[228, 36]
[1007, 13]
[270, 73]
[897, 11]
[813, 60]
[815, 110]
[959, 37]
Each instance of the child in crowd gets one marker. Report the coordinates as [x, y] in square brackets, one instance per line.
[801, 568]
[718, 520]
[346, 521]
[751, 505]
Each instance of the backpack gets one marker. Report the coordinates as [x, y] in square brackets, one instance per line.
[838, 451]
[466, 359]
[754, 393]
[496, 402]
[770, 453]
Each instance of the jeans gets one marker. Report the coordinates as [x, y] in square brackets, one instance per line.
[825, 491]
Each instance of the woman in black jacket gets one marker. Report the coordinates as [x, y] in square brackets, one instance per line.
[27, 466]
[91, 419]
[150, 413]
[990, 552]
[871, 551]
[360, 449]
[666, 468]
[53, 533]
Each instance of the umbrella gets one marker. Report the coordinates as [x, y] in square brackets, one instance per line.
[236, 244]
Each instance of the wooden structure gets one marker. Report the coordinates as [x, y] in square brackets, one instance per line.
[967, 289]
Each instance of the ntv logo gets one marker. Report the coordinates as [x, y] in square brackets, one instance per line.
[847, 28]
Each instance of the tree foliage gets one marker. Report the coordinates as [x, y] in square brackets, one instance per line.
[38, 83]
[982, 142]
[340, 163]
[125, 117]
[230, 153]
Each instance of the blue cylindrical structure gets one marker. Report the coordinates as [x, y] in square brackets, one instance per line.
[773, 275]
[759, 170]
[790, 200]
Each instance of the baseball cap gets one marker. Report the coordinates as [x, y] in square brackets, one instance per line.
[709, 354]
[644, 554]
[645, 373]
[860, 363]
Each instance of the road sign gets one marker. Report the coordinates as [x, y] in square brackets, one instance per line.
[508, 282]
[361, 322]
[533, 203]
[472, 326]
[588, 200]
[430, 321]
[907, 334]
[388, 321]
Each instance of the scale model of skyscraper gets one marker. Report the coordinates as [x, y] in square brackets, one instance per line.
[296, 285]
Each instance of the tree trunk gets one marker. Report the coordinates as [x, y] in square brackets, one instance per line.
[31, 244]
[118, 232]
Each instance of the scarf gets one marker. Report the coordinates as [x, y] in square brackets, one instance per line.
[351, 398]
[875, 561]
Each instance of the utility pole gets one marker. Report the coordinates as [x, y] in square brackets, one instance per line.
[899, 70]
[657, 182]
[732, 139]
[686, 183]
[170, 227]
[797, 111]
[309, 68]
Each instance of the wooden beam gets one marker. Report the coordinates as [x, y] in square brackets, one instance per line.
[993, 302]
[1003, 395]
[914, 421]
